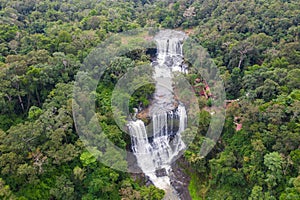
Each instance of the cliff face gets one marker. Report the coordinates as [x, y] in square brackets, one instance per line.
[180, 180]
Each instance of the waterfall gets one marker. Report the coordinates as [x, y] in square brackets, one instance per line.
[156, 150]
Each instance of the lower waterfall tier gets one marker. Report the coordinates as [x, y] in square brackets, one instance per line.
[156, 152]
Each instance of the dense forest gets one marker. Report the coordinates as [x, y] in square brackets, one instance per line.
[255, 44]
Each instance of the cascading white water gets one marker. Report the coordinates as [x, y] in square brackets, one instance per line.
[155, 151]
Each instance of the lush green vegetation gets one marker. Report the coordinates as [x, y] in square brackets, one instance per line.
[255, 45]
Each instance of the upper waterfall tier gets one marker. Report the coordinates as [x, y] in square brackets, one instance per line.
[169, 52]
[169, 59]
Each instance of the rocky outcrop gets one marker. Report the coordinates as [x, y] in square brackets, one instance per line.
[161, 172]
[180, 180]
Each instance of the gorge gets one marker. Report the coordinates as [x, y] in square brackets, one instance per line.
[159, 144]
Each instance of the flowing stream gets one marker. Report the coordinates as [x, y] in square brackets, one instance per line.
[158, 146]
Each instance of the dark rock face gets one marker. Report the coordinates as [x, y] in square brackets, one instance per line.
[161, 172]
[180, 180]
[132, 163]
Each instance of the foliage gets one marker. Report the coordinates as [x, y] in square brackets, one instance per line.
[255, 45]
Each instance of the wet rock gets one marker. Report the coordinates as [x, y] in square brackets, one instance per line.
[148, 181]
[179, 180]
[169, 62]
[161, 172]
[132, 163]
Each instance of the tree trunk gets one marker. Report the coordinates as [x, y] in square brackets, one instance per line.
[21, 102]
[240, 62]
